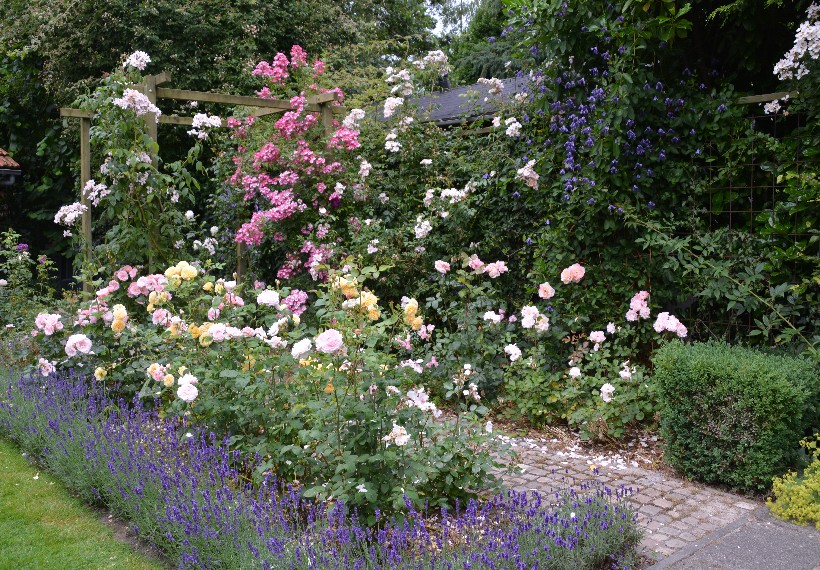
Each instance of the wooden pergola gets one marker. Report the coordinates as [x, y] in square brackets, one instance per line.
[150, 87]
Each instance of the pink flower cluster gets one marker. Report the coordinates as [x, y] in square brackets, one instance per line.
[638, 306]
[495, 269]
[144, 285]
[112, 286]
[344, 138]
[125, 273]
[442, 266]
[48, 323]
[296, 301]
[572, 274]
[667, 322]
[277, 73]
[77, 343]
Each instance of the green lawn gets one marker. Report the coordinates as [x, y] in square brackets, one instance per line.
[43, 527]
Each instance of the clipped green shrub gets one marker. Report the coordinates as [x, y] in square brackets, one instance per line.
[732, 415]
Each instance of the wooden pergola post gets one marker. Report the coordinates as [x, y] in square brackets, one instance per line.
[85, 176]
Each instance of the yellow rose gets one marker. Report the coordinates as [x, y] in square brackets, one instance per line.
[374, 313]
[416, 323]
[171, 272]
[100, 373]
[368, 299]
[152, 297]
[175, 280]
[194, 330]
[118, 326]
[182, 370]
[296, 319]
[208, 286]
[205, 340]
[219, 289]
[188, 273]
[329, 387]
[168, 380]
[119, 312]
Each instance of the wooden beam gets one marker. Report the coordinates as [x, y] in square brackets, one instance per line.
[75, 113]
[205, 97]
[752, 99]
[175, 120]
[163, 77]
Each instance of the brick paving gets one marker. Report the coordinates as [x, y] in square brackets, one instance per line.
[674, 512]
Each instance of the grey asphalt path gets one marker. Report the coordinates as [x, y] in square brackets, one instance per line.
[757, 541]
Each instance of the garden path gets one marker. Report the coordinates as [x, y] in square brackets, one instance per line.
[673, 511]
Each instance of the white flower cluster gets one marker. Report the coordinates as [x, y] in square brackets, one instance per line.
[201, 124]
[390, 142]
[94, 192]
[391, 104]
[435, 60]
[137, 60]
[135, 101]
[351, 121]
[364, 169]
[68, 215]
[397, 435]
[401, 81]
[513, 127]
[496, 85]
[208, 245]
[513, 352]
[420, 399]
[532, 317]
[806, 41]
[422, 228]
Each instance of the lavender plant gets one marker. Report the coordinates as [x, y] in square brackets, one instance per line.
[186, 492]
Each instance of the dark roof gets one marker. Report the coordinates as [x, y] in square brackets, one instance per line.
[452, 106]
[7, 162]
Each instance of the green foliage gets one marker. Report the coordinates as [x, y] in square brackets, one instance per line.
[732, 415]
[798, 496]
[26, 287]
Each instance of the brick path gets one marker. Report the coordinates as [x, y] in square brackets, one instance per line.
[673, 511]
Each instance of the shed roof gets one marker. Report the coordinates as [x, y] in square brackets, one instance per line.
[452, 106]
[7, 162]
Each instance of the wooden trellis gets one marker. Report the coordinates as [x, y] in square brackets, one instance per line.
[150, 86]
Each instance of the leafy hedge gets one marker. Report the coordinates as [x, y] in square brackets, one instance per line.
[732, 415]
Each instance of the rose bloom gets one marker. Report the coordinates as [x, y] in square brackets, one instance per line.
[513, 352]
[606, 392]
[442, 266]
[187, 392]
[597, 336]
[330, 342]
[268, 297]
[572, 274]
[574, 372]
[300, 348]
[77, 343]
[545, 291]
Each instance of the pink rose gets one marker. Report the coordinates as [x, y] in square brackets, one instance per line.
[572, 274]
[77, 343]
[330, 342]
[545, 291]
[476, 264]
[597, 336]
[442, 267]
[213, 314]
[122, 274]
[134, 290]
[160, 317]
